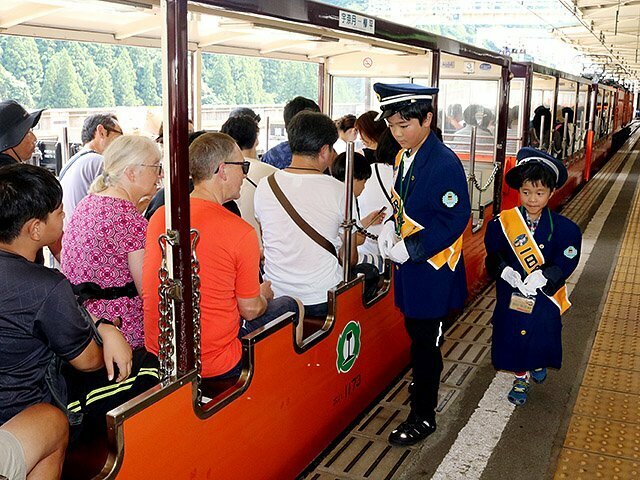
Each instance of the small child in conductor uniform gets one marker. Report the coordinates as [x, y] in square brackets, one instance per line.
[531, 252]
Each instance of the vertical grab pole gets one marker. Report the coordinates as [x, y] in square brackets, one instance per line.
[565, 133]
[348, 213]
[472, 163]
[541, 139]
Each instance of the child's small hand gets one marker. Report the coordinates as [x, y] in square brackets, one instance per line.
[512, 277]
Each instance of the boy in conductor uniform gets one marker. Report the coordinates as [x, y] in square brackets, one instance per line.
[424, 240]
[531, 251]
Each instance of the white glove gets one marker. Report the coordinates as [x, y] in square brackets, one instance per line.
[399, 254]
[534, 281]
[513, 278]
[387, 239]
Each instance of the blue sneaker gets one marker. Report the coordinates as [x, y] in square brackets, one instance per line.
[518, 394]
[539, 375]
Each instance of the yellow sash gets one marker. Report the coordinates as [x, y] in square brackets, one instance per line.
[450, 255]
[526, 249]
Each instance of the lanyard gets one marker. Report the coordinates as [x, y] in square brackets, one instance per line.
[526, 215]
[404, 190]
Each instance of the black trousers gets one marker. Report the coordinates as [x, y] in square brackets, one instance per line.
[426, 360]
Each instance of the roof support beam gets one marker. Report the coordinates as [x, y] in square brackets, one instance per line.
[136, 28]
[26, 12]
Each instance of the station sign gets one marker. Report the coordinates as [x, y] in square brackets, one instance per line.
[353, 21]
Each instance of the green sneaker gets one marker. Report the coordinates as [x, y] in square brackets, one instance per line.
[518, 394]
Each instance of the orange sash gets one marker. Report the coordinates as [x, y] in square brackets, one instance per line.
[450, 255]
[526, 249]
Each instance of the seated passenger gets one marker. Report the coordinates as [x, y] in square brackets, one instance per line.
[366, 219]
[158, 199]
[244, 130]
[347, 132]
[105, 239]
[541, 112]
[40, 321]
[377, 190]
[160, 137]
[453, 121]
[296, 264]
[98, 131]
[370, 131]
[280, 155]
[233, 302]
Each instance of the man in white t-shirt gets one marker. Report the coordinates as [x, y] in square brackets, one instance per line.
[244, 130]
[98, 131]
[294, 263]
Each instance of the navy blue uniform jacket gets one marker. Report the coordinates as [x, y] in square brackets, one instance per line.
[524, 341]
[421, 291]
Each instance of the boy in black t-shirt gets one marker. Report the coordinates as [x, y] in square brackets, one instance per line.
[39, 319]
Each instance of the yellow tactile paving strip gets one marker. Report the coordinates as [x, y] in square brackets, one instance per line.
[603, 439]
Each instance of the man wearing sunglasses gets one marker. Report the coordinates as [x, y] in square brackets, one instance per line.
[98, 131]
[233, 301]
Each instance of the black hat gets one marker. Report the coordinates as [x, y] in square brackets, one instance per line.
[15, 123]
[530, 154]
[244, 111]
[394, 97]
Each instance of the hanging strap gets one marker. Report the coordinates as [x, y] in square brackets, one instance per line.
[297, 219]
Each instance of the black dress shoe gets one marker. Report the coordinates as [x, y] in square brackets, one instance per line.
[413, 430]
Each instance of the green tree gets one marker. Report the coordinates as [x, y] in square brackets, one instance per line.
[102, 93]
[217, 75]
[61, 88]
[146, 83]
[84, 65]
[124, 80]
[248, 81]
[286, 79]
[14, 89]
[21, 58]
[103, 55]
[46, 48]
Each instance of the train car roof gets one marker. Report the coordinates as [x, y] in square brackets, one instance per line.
[294, 30]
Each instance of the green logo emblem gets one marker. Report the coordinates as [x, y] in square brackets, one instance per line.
[348, 347]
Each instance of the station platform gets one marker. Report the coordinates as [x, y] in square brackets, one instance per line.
[583, 422]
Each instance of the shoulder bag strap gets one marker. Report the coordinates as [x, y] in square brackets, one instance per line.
[384, 190]
[68, 165]
[297, 219]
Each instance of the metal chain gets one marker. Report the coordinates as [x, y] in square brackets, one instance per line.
[166, 349]
[366, 233]
[195, 303]
[472, 177]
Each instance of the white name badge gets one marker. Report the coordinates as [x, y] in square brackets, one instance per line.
[522, 304]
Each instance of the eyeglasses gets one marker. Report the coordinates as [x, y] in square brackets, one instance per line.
[245, 166]
[114, 130]
[158, 166]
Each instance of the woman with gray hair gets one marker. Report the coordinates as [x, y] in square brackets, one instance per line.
[105, 239]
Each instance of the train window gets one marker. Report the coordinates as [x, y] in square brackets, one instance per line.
[262, 84]
[542, 95]
[598, 117]
[581, 117]
[355, 95]
[469, 97]
[514, 122]
[354, 73]
[564, 137]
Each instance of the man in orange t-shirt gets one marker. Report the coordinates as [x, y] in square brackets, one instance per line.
[233, 302]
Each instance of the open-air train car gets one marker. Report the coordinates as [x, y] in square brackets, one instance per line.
[304, 382]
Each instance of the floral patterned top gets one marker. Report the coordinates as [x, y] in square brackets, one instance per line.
[95, 247]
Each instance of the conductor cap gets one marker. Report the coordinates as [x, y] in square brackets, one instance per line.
[393, 97]
[526, 155]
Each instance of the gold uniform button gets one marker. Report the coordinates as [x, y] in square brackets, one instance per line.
[397, 267]
[523, 332]
[413, 177]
